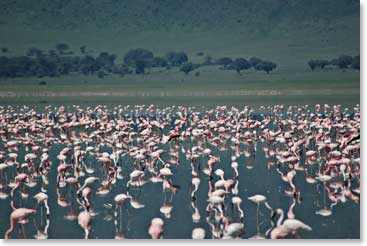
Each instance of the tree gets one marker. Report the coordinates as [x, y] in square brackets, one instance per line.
[159, 62]
[101, 74]
[177, 58]
[241, 64]
[224, 61]
[266, 66]
[140, 66]
[334, 62]
[208, 60]
[64, 65]
[187, 68]
[269, 66]
[137, 55]
[254, 61]
[87, 65]
[49, 66]
[342, 61]
[83, 49]
[106, 60]
[355, 62]
[323, 63]
[312, 64]
[34, 52]
[121, 69]
[62, 47]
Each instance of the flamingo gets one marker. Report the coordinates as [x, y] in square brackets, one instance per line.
[288, 227]
[19, 215]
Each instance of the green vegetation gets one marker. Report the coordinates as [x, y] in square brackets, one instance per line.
[187, 67]
[40, 63]
[177, 58]
[165, 87]
[341, 62]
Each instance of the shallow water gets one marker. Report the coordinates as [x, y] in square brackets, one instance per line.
[344, 222]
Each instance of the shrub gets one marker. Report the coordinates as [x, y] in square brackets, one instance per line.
[176, 58]
[241, 64]
[224, 61]
[187, 68]
[208, 60]
[355, 62]
[83, 49]
[101, 74]
[159, 62]
[140, 66]
[254, 61]
[344, 61]
[266, 66]
[137, 55]
[62, 47]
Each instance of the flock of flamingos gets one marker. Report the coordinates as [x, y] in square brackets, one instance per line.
[122, 149]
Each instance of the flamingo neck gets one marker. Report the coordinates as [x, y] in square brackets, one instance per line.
[280, 220]
[12, 195]
[47, 209]
[290, 213]
[241, 212]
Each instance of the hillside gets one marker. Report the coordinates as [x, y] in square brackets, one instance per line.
[216, 26]
[139, 15]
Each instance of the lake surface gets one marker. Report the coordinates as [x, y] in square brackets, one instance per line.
[254, 177]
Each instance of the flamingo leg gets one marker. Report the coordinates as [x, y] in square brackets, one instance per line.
[257, 219]
[23, 231]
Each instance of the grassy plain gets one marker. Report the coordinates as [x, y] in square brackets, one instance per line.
[213, 86]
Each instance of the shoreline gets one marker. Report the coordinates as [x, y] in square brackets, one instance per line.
[175, 93]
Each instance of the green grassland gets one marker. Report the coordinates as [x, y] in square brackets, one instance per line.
[213, 86]
[287, 32]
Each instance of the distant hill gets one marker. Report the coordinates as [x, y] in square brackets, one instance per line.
[250, 15]
[280, 28]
